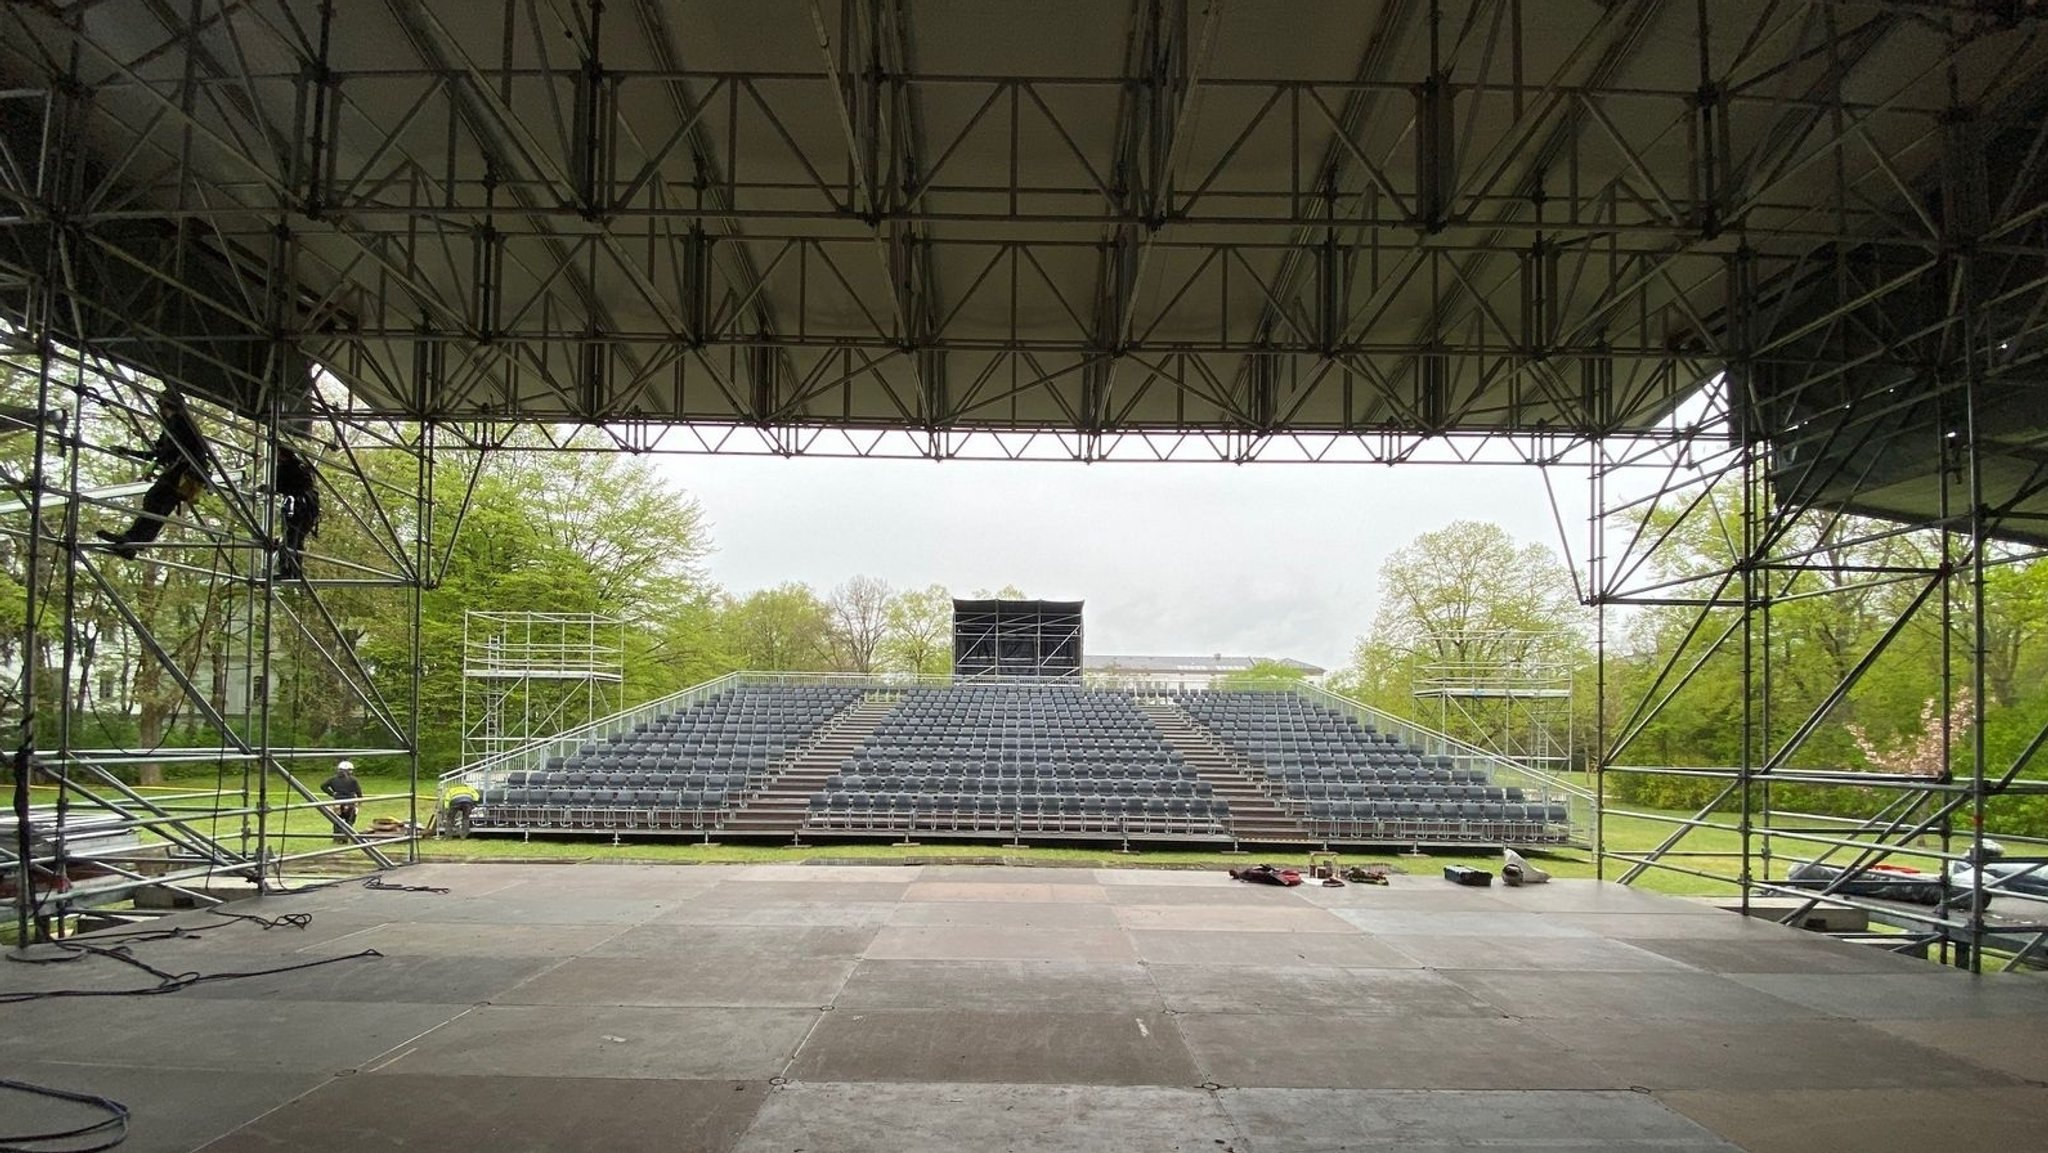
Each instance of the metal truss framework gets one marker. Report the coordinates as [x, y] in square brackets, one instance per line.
[82, 405]
[1420, 231]
[1693, 525]
[1012, 638]
[238, 822]
[1460, 219]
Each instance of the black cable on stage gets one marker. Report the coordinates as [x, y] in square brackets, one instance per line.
[172, 982]
[380, 885]
[286, 920]
[75, 950]
[115, 1122]
[120, 947]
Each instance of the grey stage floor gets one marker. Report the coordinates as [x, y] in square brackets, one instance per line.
[774, 1009]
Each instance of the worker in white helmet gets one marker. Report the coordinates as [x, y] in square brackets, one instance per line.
[344, 787]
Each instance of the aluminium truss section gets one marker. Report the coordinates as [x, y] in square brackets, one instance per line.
[529, 676]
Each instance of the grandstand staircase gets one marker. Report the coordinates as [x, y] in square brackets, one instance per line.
[778, 808]
[1255, 817]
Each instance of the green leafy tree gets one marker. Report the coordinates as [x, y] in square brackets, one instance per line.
[551, 531]
[1468, 596]
[785, 628]
[1264, 675]
[919, 637]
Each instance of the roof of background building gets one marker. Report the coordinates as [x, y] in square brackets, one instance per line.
[1191, 664]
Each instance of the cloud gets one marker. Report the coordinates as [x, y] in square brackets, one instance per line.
[1273, 560]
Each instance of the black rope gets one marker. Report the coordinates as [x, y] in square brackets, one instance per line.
[115, 1122]
[172, 982]
[286, 920]
[382, 886]
[120, 947]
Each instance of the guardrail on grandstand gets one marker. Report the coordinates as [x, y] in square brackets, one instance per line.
[491, 770]
[1578, 800]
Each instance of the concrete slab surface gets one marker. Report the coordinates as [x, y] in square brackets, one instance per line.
[267, 1036]
[851, 1008]
[2016, 1046]
[171, 1110]
[1805, 953]
[1225, 947]
[1235, 918]
[845, 914]
[685, 1044]
[1758, 1055]
[737, 945]
[1575, 954]
[1459, 923]
[1006, 892]
[1053, 915]
[1684, 925]
[998, 943]
[1940, 994]
[1215, 988]
[792, 982]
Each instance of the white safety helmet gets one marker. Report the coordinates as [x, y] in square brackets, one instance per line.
[346, 767]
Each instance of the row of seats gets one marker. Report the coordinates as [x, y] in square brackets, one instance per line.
[682, 771]
[1348, 781]
[1385, 778]
[582, 779]
[1018, 758]
[1389, 756]
[1015, 786]
[951, 812]
[1374, 790]
[1100, 748]
[622, 809]
[1377, 820]
[995, 767]
[1021, 772]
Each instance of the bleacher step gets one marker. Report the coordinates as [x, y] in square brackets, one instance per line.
[779, 806]
[1254, 815]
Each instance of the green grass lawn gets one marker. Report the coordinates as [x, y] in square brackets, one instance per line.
[306, 829]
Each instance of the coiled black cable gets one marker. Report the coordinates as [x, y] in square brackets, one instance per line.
[115, 1122]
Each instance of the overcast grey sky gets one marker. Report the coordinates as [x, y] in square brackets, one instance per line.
[1274, 560]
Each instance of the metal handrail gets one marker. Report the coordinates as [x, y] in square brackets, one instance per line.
[524, 756]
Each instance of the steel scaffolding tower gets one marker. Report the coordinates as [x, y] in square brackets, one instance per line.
[212, 699]
[1509, 693]
[528, 676]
